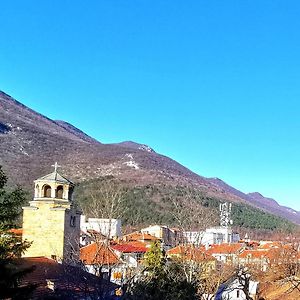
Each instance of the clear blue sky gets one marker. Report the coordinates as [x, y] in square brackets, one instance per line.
[213, 84]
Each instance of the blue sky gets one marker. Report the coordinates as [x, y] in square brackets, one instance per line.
[213, 84]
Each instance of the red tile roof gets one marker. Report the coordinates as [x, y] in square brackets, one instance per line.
[98, 254]
[16, 231]
[270, 245]
[255, 254]
[225, 248]
[138, 244]
[138, 236]
[190, 252]
[129, 248]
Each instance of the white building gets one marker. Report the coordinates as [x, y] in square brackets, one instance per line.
[108, 227]
[213, 235]
[233, 290]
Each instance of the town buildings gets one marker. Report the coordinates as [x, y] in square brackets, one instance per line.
[62, 238]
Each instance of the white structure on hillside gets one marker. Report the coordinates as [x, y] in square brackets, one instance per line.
[108, 227]
[215, 235]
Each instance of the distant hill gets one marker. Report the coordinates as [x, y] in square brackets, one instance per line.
[258, 200]
[30, 143]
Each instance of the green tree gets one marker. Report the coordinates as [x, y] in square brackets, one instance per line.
[11, 246]
[161, 280]
[154, 259]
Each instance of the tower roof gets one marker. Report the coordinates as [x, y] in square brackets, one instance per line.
[54, 176]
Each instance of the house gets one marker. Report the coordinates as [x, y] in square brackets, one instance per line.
[100, 259]
[113, 262]
[194, 254]
[53, 280]
[258, 257]
[169, 237]
[226, 253]
[91, 236]
[143, 237]
[234, 289]
[131, 254]
[212, 235]
[110, 228]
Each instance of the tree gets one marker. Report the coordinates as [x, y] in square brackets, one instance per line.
[105, 200]
[11, 246]
[190, 214]
[161, 280]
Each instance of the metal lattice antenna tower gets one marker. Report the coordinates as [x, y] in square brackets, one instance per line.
[225, 214]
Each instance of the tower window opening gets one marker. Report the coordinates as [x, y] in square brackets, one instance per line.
[73, 221]
[47, 191]
[59, 192]
[71, 193]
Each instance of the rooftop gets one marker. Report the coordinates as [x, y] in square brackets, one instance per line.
[225, 248]
[60, 281]
[96, 253]
[55, 176]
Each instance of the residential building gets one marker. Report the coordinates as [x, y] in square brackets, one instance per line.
[169, 237]
[226, 253]
[111, 228]
[234, 288]
[99, 259]
[143, 237]
[212, 235]
[53, 280]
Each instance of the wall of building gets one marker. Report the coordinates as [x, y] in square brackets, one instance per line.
[44, 227]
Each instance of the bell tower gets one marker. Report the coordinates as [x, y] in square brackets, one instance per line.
[51, 222]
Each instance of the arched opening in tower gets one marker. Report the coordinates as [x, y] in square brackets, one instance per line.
[59, 192]
[47, 191]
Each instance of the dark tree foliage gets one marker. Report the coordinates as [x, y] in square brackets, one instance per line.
[161, 280]
[152, 203]
[11, 246]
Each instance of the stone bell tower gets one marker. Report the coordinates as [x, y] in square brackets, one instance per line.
[51, 222]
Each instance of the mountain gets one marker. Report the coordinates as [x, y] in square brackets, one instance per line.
[256, 199]
[272, 206]
[30, 143]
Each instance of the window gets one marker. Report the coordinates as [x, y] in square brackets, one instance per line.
[47, 191]
[73, 221]
[59, 192]
[238, 294]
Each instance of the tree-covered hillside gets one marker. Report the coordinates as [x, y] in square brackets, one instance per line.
[166, 204]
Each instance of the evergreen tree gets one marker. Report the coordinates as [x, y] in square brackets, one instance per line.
[154, 259]
[11, 246]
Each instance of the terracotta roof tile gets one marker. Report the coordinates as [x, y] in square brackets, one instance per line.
[98, 254]
[190, 253]
[254, 254]
[225, 248]
[138, 236]
[128, 248]
[16, 231]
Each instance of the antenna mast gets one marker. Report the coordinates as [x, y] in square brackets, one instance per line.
[225, 215]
